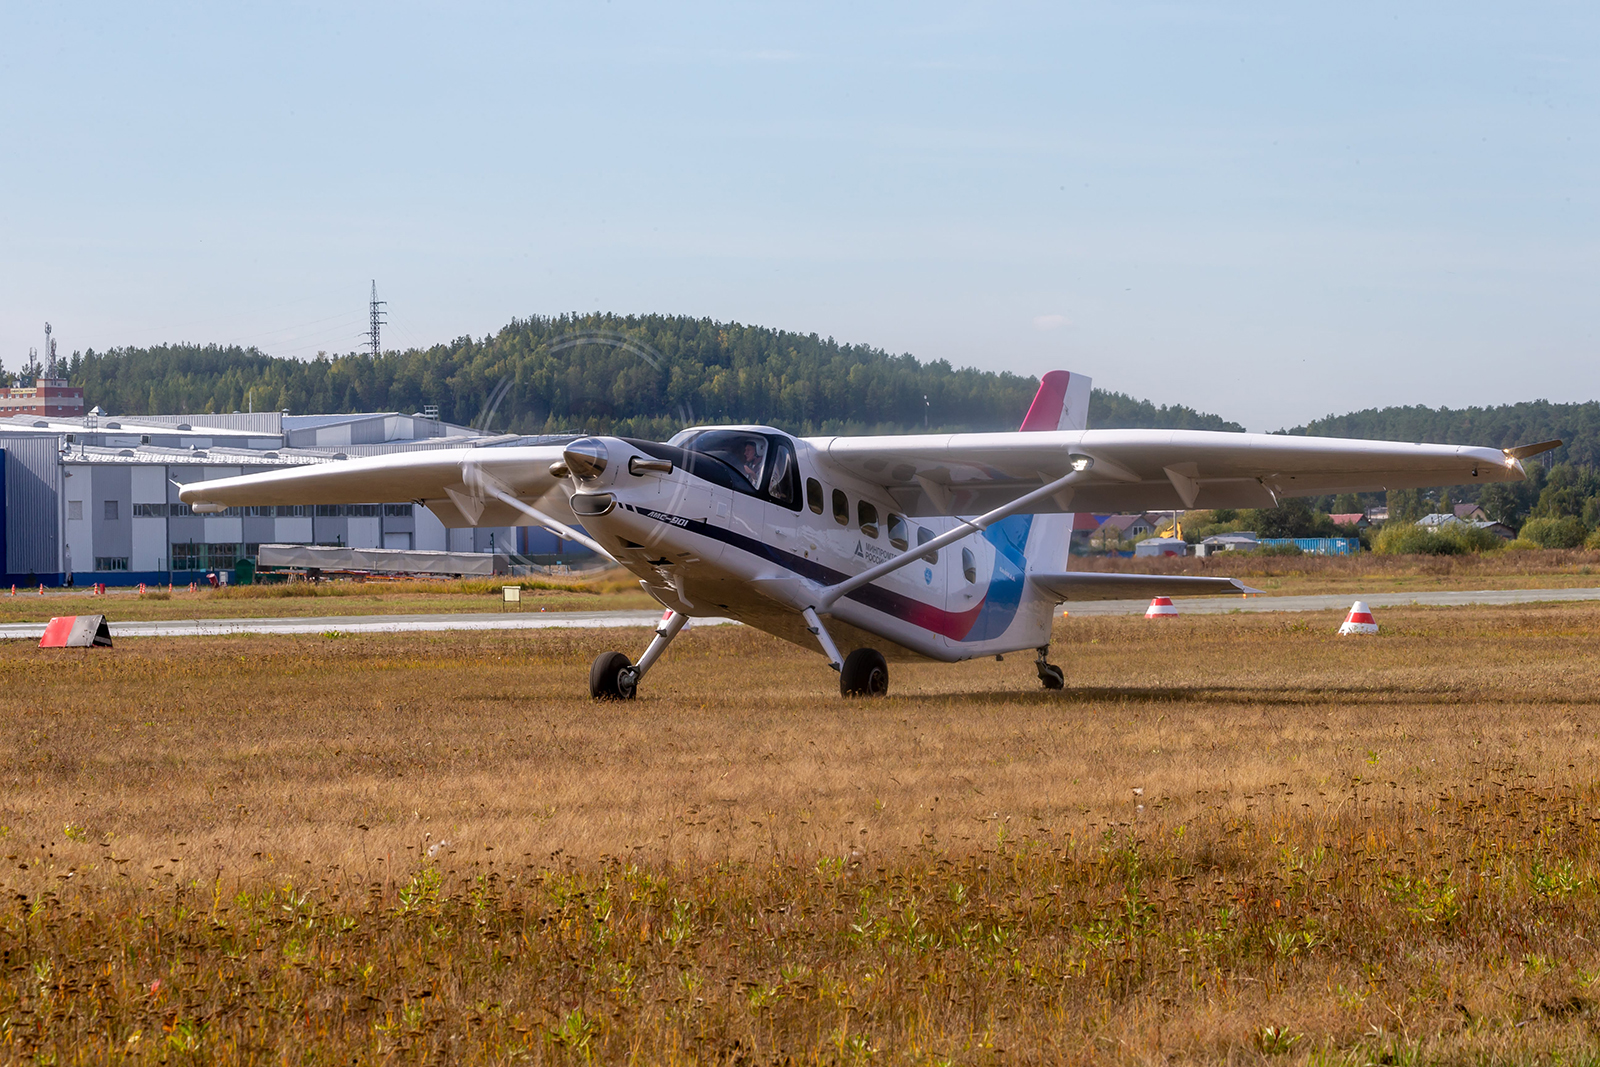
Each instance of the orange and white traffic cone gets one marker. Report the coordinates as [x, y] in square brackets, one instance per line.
[1359, 621]
[1161, 608]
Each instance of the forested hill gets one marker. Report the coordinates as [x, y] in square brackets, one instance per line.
[644, 376]
[1500, 427]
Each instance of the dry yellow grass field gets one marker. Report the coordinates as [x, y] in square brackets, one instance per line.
[1233, 838]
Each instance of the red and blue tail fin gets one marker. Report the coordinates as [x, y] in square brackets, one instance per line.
[1062, 403]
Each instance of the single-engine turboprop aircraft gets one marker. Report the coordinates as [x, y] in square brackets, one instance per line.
[923, 546]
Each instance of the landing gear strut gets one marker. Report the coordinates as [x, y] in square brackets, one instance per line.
[1050, 676]
[612, 677]
[863, 673]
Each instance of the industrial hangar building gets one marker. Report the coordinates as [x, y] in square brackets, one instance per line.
[95, 499]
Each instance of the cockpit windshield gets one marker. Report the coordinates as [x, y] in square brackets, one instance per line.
[745, 452]
[761, 465]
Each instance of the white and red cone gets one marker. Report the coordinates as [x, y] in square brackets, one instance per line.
[1359, 621]
[1161, 608]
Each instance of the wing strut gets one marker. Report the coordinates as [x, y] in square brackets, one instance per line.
[968, 527]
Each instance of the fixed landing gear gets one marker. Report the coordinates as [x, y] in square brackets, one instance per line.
[1050, 676]
[612, 677]
[864, 674]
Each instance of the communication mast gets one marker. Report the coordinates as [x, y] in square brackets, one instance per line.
[49, 354]
[375, 314]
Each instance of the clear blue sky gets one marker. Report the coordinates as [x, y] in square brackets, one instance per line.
[1269, 211]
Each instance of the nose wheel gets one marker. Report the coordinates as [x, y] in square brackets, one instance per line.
[612, 677]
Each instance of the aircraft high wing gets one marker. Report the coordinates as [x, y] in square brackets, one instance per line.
[1150, 470]
[502, 486]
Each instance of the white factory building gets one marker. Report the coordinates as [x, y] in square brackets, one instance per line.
[96, 497]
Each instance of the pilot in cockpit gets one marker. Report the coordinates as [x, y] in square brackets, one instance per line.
[750, 464]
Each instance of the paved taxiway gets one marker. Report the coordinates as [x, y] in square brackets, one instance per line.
[374, 624]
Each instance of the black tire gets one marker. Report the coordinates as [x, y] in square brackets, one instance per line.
[864, 674]
[1051, 676]
[603, 680]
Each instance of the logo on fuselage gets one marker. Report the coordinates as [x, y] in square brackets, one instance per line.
[872, 553]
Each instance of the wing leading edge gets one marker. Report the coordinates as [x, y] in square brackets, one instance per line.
[459, 485]
[1144, 470]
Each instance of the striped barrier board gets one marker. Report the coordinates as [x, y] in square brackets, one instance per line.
[76, 631]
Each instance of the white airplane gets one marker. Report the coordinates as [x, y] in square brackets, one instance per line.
[924, 546]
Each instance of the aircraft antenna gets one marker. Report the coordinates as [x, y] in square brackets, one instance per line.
[375, 316]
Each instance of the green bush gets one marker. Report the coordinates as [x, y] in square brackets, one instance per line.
[1593, 544]
[1453, 539]
[1555, 533]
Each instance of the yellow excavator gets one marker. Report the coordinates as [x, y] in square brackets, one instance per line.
[1174, 529]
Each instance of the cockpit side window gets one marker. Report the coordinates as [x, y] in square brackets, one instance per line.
[783, 480]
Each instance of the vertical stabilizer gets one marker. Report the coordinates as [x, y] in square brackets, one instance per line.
[1062, 403]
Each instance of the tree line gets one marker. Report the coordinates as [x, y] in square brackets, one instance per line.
[638, 375]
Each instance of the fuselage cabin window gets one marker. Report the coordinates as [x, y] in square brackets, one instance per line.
[841, 508]
[898, 532]
[924, 535]
[969, 565]
[814, 495]
[867, 519]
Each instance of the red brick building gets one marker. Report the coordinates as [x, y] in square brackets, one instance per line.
[47, 397]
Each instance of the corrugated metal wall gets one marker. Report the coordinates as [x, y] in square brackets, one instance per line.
[33, 504]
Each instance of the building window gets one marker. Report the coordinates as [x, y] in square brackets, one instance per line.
[363, 510]
[74, 509]
[397, 511]
[329, 511]
[149, 511]
[291, 511]
[179, 509]
[111, 509]
[111, 563]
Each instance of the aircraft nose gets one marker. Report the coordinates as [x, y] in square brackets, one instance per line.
[586, 457]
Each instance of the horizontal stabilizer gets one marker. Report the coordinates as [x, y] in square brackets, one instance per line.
[1096, 585]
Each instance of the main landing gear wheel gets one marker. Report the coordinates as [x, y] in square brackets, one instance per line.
[1050, 676]
[864, 674]
[612, 677]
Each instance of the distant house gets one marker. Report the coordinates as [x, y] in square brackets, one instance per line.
[1499, 529]
[1378, 514]
[1358, 519]
[1161, 546]
[1471, 513]
[1084, 526]
[1117, 529]
[1244, 541]
[1438, 520]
